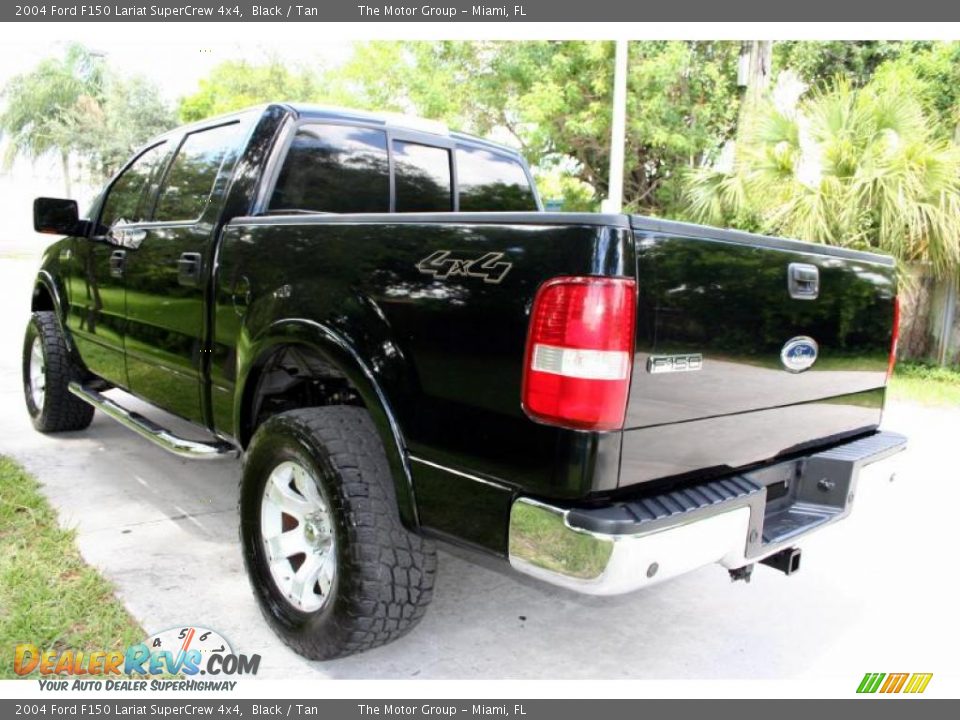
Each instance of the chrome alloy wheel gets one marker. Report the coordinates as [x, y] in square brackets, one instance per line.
[38, 374]
[297, 533]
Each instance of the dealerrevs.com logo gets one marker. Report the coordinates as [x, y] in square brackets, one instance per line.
[888, 683]
[179, 655]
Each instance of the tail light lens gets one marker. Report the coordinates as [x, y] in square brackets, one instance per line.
[895, 338]
[579, 352]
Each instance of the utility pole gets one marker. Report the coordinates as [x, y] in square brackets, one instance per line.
[618, 133]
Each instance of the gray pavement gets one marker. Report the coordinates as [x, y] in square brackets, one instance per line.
[875, 592]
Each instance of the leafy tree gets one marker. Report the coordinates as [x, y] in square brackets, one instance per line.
[472, 86]
[574, 195]
[818, 62]
[76, 106]
[108, 129]
[41, 105]
[864, 168]
[934, 77]
[683, 104]
[237, 84]
[553, 100]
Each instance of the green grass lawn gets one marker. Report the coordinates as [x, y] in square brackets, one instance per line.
[926, 384]
[48, 596]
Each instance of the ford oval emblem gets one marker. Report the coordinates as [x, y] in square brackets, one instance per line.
[799, 354]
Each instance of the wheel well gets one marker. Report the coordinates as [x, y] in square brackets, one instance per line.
[289, 378]
[42, 299]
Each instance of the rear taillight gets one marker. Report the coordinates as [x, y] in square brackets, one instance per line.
[579, 354]
[895, 337]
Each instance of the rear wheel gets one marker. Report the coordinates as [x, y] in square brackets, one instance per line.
[334, 570]
[47, 372]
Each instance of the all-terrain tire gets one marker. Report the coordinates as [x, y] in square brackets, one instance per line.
[59, 410]
[384, 573]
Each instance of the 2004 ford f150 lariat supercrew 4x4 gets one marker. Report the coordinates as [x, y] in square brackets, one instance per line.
[404, 347]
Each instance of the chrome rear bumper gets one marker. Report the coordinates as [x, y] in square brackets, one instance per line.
[734, 521]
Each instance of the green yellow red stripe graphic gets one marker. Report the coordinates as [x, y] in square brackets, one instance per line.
[914, 683]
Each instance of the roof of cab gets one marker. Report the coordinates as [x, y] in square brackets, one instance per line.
[391, 120]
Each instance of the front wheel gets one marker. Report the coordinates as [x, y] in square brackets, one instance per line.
[332, 567]
[47, 372]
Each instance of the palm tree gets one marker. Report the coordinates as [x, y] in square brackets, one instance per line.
[861, 168]
[41, 106]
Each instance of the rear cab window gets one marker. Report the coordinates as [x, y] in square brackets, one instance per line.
[489, 181]
[423, 179]
[334, 169]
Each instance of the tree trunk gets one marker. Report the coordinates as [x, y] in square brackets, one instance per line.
[65, 165]
[929, 318]
[757, 56]
[753, 76]
[916, 299]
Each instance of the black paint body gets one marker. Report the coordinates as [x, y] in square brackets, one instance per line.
[438, 361]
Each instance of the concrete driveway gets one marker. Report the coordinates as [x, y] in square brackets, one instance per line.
[875, 592]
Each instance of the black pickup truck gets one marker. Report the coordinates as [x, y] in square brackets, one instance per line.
[378, 314]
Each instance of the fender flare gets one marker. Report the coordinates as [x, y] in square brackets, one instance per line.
[345, 358]
[46, 281]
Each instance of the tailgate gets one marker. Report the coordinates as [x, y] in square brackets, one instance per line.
[727, 322]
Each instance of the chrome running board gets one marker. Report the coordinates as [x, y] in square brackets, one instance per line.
[192, 449]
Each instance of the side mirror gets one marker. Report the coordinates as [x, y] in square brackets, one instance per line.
[56, 216]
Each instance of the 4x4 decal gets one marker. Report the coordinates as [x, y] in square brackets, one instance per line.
[488, 267]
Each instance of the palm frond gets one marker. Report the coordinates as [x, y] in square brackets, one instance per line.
[855, 167]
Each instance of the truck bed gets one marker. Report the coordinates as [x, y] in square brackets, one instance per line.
[447, 347]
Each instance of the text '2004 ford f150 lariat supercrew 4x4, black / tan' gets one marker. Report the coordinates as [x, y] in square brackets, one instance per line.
[405, 347]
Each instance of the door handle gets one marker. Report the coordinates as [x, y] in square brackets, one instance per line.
[118, 263]
[188, 269]
[803, 281]
[241, 295]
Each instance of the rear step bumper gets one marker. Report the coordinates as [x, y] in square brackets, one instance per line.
[193, 449]
[734, 521]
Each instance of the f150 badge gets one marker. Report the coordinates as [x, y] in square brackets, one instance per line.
[799, 353]
[488, 267]
[657, 364]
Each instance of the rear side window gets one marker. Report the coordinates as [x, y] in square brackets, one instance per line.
[189, 182]
[335, 169]
[491, 182]
[128, 199]
[422, 178]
